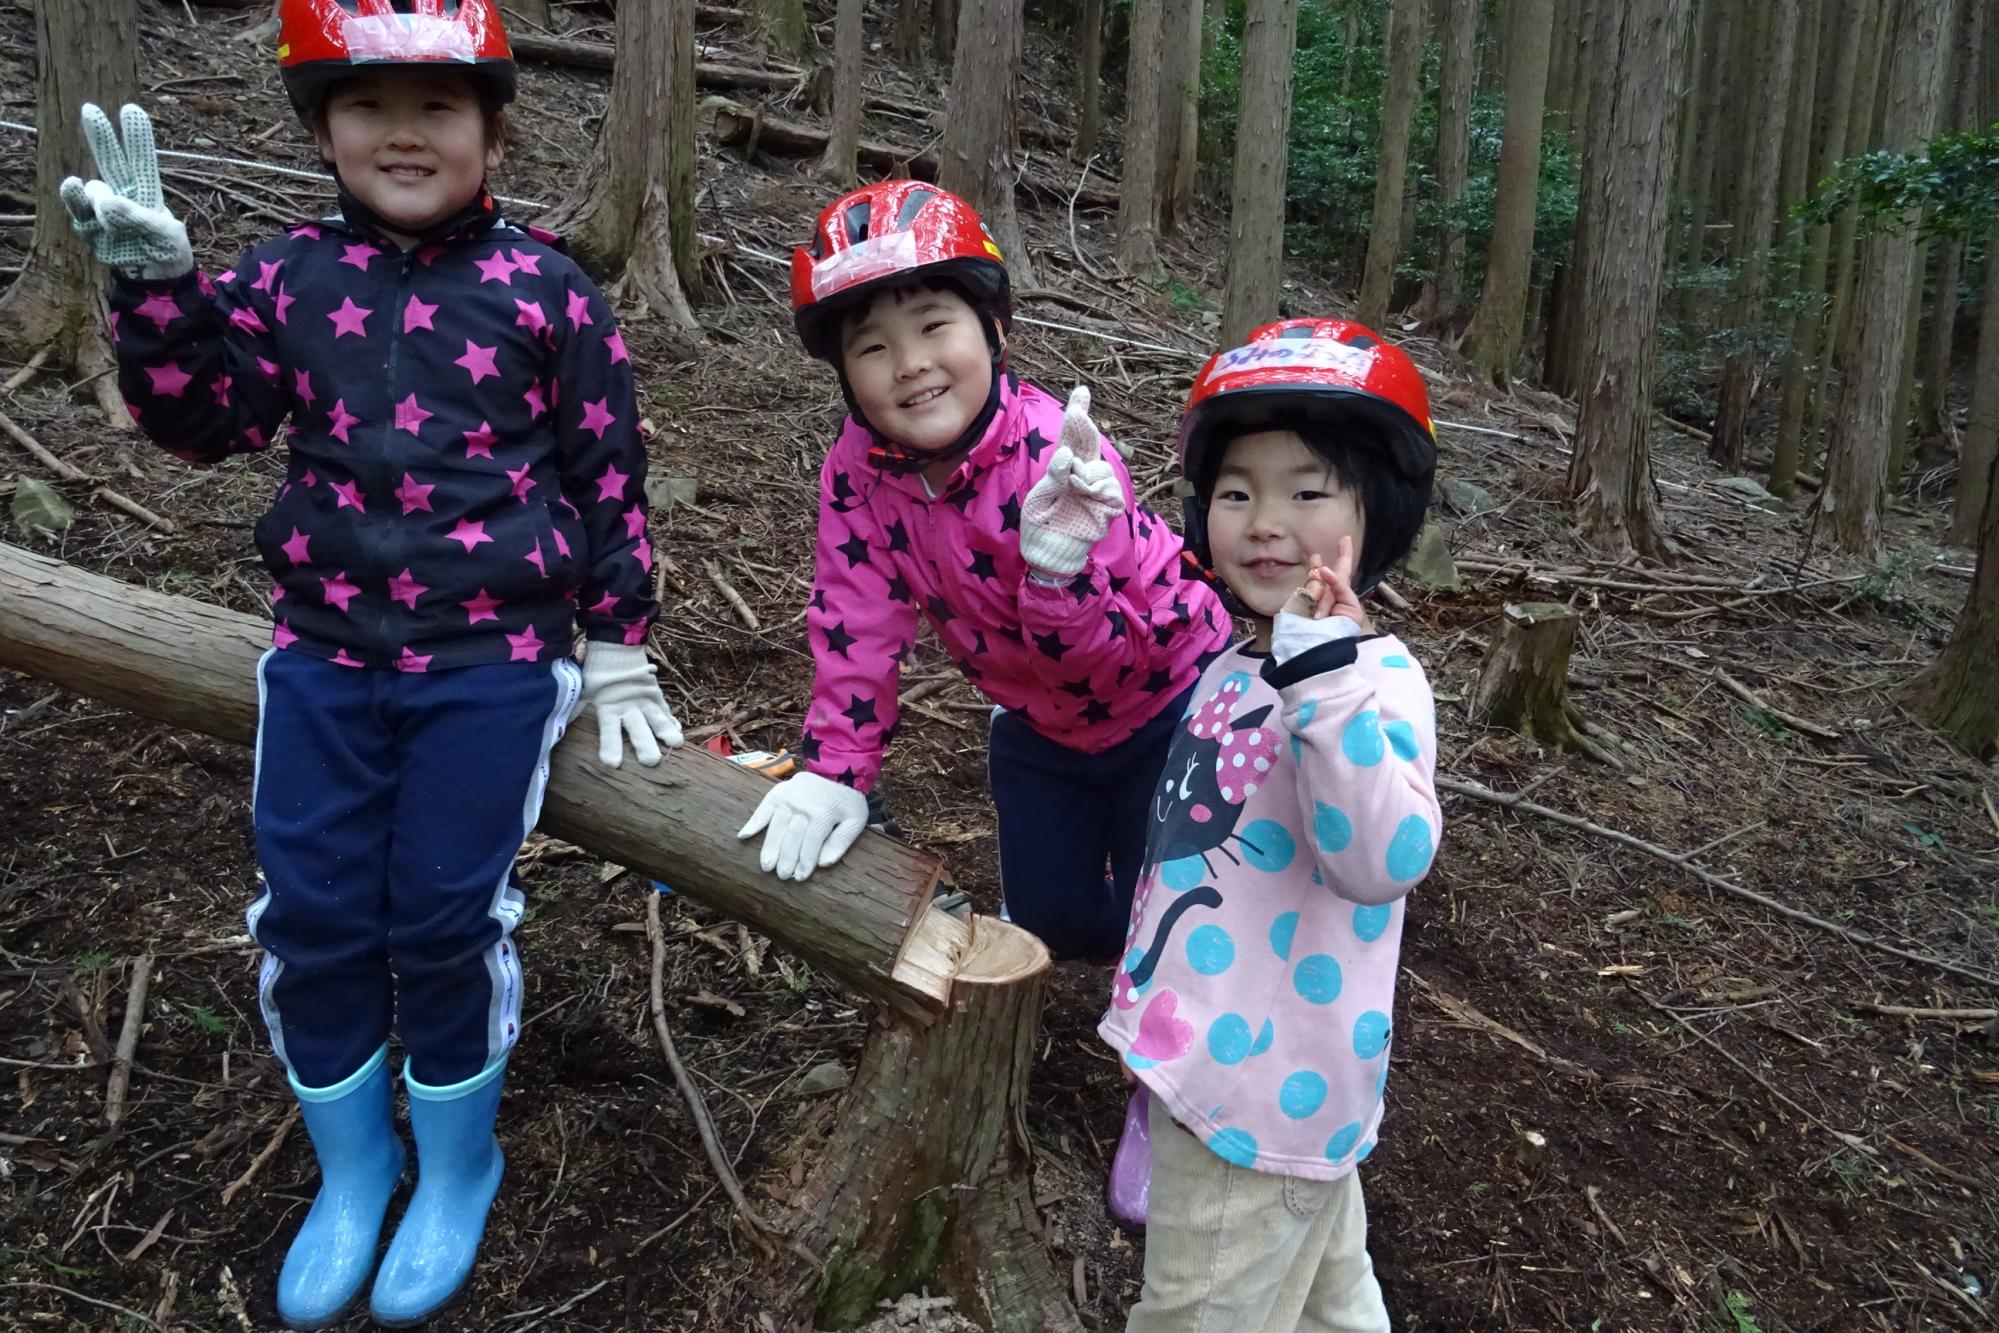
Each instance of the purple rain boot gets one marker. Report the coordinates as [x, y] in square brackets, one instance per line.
[1131, 1168]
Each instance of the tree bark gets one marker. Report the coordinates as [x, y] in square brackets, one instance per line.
[1627, 177]
[1179, 110]
[1959, 693]
[904, 1196]
[1857, 465]
[1905, 375]
[1932, 422]
[1138, 186]
[837, 164]
[1090, 96]
[1704, 127]
[1561, 55]
[1255, 272]
[976, 158]
[1404, 62]
[1561, 357]
[1493, 340]
[634, 217]
[1981, 436]
[1847, 27]
[1456, 80]
[1749, 243]
[944, 30]
[908, 31]
[782, 22]
[84, 52]
[1860, 136]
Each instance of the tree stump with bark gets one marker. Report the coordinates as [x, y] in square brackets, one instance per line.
[1525, 684]
[925, 1179]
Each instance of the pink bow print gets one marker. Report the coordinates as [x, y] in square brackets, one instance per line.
[1246, 755]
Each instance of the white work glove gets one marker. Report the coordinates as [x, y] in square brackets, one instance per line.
[123, 215]
[618, 682]
[1072, 506]
[812, 821]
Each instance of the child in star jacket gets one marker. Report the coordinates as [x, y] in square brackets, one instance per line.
[463, 482]
[1296, 811]
[960, 496]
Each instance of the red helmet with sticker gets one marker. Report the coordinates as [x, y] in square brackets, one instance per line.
[323, 41]
[1328, 371]
[889, 230]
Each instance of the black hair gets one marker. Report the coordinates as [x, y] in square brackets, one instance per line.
[1392, 505]
[995, 313]
[492, 111]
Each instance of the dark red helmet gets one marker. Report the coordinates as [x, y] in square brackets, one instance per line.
[323, 41]
[890, 230]
[1328, 373]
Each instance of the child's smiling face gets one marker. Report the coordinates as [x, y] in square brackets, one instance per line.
[1275, 505]
[411, 144]
[918, 364]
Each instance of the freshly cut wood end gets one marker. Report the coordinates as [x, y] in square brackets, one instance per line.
[932, 953]
[1002, 953]
[944, 951]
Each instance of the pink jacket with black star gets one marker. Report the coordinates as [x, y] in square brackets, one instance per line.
[1085, 664]
[464, 476]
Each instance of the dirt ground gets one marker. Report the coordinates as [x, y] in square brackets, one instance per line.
[1733, 1141]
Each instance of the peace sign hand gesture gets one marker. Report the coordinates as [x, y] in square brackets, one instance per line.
[1328, 590]
[123, 215]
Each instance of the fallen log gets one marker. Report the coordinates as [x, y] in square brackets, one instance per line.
[866, 920]
[925, 1180]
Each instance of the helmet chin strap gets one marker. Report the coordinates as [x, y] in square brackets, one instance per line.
[889, 456]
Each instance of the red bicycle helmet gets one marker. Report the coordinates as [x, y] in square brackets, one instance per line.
[1323, 372]
[1328, 371]
[890, 230]
[322, 41]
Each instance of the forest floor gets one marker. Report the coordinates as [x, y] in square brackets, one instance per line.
[1734, 1141]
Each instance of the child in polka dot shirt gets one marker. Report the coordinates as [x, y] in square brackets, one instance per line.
[1296, 811]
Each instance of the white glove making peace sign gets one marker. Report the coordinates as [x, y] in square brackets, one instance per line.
[123, 214]
[1072, 506]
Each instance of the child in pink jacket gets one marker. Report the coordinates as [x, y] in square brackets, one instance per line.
[960, 496]
[1296, 811]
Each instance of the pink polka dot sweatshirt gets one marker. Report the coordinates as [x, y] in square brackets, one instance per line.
[1296, 811]
[1085, 663]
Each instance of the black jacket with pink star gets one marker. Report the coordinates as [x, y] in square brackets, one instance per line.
[465, 476]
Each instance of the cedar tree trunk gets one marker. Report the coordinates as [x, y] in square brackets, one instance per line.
[837, 165]
[1456, 81]
[1959, 692]
[976, 159]
[1493, 339]
[1391, 176]
[1090, 96]
[1138, 187]
[1255, 272]
[1981, 436]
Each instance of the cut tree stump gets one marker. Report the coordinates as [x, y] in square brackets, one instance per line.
[1524, 687]
[925, 1181]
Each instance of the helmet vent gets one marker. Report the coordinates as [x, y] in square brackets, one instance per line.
[911, 206]
[857, 223]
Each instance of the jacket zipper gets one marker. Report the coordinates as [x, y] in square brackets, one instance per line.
[386, 526]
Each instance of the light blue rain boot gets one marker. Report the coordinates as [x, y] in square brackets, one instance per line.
[458, 1168]
[360, 1160]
